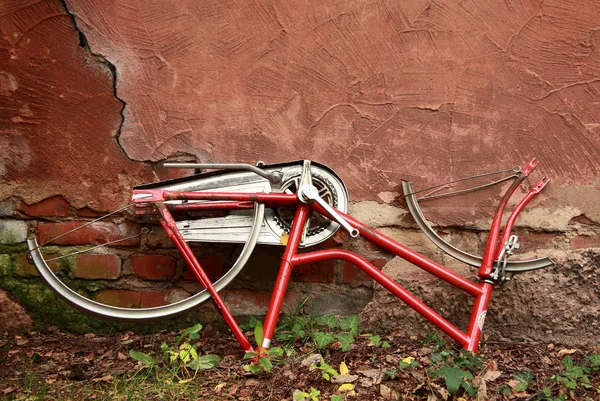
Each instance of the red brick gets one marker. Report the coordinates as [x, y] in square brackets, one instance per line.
[582, 219]
[97, 233]
[212, 265]
[585, 241]
[531, 241]
[318, 272]
[141, 299]
[26, 269]
[354, 275]
[55, 206]
[250, 302]
[154, 267]
[87, 212]
[98, 266]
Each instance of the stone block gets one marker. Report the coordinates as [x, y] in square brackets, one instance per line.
[243, 302]
[12, 231]
[27, 269]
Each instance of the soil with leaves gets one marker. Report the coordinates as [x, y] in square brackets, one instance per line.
[319, 358]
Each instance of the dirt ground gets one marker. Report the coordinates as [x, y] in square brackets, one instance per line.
[55, 365]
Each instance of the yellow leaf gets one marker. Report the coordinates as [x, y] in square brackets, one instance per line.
[344, 388]
[184, 381]
[408, 359]
[461, 399]
[344, 368]
[284, 238]
[219, 386]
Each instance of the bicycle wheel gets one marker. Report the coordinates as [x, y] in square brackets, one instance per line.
[98, 309]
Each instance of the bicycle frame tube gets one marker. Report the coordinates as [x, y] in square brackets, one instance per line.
[481, 291]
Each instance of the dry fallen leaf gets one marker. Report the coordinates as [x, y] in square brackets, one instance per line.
[387, 392]
[344, 368]
[219, 387]
[564, 352]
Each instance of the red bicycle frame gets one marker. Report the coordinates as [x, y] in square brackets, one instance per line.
[291, 258]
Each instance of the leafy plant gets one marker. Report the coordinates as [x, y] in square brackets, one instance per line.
[574, 375]
[266, 358]
[457, 370]
[182, 354]
[312, 395]
[327, 371]
[523, 379]
[320, 330]
[376, 340]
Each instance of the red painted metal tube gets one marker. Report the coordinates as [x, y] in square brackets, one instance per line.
[168, 223]
[485, 270]
[283, 277]
[418, 260]
[477, 318]
[387, 283]
[536, 189]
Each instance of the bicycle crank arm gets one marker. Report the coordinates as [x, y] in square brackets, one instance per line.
[309, 193]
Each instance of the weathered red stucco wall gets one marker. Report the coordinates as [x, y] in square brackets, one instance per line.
[94, 95]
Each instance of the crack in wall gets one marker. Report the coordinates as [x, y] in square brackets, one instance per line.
[84, 44]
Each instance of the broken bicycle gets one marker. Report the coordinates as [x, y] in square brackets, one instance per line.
[298, 205]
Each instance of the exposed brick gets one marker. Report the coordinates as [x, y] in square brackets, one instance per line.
[318, 272]
[532, 240]
[249, 302]
[141, 299]
[26, 269]
[336, 241]
[87, 212]
[97, 233]
[12, 231]
[98, 266]
[55, 206]
[585, 241]
[157, 238]
[212, 265]
[582, 219]
[154, 267]
[353, 275]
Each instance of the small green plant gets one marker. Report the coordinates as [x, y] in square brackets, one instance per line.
[376, 340]
[313, 395]
[265, 359]
[391, 373]
[319, 330]
[524, 380]
[327, 371]
[408, 362]
[181, 355]
[457, 370]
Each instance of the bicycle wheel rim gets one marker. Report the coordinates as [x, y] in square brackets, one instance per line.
[141, 314]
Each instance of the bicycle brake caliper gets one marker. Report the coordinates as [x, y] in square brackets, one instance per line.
[499, 273]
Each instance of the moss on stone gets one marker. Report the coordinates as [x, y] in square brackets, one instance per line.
[46, 308]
